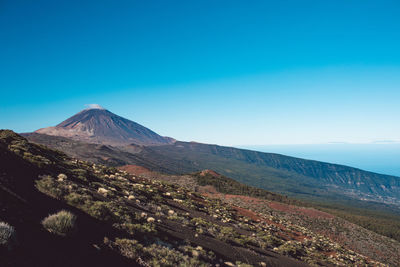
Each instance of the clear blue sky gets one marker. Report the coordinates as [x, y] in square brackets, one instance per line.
[226, 72]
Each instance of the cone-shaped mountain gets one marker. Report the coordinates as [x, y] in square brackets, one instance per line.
[101, 126]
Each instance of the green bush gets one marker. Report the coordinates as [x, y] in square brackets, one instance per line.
[49, 186]
[80, 174]
[290, 249]
[61, 223]
[225, 233]
[136, 228]
[157, 255]
[7, 235]
[270, 241]
[129, 248]
[76, 199]
[99, 209]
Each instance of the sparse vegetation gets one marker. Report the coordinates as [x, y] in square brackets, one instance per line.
[229, 186]
[48, 185]
[7, 236]
[163, 224]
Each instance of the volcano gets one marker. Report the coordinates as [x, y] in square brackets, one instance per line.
[100, 126]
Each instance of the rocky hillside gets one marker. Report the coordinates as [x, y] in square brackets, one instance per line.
[128, 219]
[286, 213]
[177, 159]
[97, 125]
[304, 179]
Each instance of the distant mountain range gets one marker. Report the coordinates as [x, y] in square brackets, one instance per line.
[381, 158]
[100, 126]
[119, 141]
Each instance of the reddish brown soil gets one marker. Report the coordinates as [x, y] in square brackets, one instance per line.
[135, 169]
[247, 213]
[210, 191]
[293, 209]
[247, 199]
[284, 234]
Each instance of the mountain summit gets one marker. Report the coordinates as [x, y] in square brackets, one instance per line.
[98, 125]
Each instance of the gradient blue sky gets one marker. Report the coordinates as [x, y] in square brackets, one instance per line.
[226, 72]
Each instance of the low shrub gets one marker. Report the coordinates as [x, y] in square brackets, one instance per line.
[129, 248]
[139, 228]
[76, 199]
[157, 255]
[99, 210]
[49, 186]
[270, 241]
[290, 249]
[80, 174]
[7, 236]
[61, 223]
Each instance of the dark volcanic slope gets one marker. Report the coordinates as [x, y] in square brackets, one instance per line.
[104, 127]
[281, 173]
[149, 223]
[23, 206]
[97, 153]
[306, 179]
